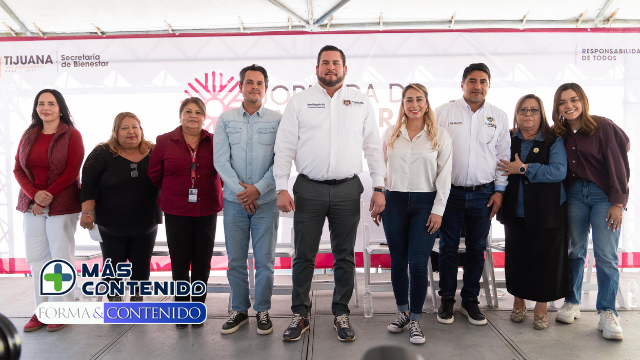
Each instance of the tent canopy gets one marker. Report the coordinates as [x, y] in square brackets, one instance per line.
[81, 17]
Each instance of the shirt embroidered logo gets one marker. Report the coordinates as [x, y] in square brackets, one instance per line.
[490, 119]
[315, 106]
[346, 103]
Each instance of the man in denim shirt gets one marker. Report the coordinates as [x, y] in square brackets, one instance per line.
[243, 156]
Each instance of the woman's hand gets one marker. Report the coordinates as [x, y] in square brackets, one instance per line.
[614, 217]
[511, 168]
[43, 198]
[434, 222]
[86, 221]
[36, 209]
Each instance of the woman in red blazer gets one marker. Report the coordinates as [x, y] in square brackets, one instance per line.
[47, 168]
[181, 165]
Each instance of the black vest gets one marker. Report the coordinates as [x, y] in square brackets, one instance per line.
[541, 200]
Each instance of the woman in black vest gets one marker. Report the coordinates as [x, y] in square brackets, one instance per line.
[534, 213]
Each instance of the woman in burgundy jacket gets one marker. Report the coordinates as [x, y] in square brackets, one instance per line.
[181, 165]
[47, 168]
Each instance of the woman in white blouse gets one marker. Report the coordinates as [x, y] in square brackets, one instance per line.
[418, 158]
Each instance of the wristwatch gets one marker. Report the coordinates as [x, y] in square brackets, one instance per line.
[279, 191]
[523, 169]
[380, 190]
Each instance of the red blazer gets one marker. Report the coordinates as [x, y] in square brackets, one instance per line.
[170, 171]
[66, 152]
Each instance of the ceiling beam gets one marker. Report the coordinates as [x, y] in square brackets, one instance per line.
[287, 10]
[13, 17]
[331, 12]
[601, 12]
[312, 26]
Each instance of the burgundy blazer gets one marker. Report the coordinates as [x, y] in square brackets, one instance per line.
[170, 171]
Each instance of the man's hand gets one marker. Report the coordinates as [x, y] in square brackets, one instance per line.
[434, 222]
[250, 194]
[285, 202]
[496, 201]
[376, 206]
[250, 207]
[43, 198]
[36, 209]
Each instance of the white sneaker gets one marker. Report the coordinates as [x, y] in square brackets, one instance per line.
[568, 313]
[610, 325]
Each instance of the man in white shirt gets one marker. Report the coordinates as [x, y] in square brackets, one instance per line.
[480, 136]
[325, 129]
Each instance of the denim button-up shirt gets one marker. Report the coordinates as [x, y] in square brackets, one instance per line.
[556, 171]
[243, 151]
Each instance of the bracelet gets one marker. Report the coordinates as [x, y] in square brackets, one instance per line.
[87, 213]
[42, 206]
[620, 207]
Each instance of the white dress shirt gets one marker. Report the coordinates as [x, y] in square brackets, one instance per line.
[479, 140]
[326, 137]
[415, 166]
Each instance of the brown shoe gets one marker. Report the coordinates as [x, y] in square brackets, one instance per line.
[540, 322]
[517, 315]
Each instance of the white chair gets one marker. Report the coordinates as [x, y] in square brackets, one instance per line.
[488, 273]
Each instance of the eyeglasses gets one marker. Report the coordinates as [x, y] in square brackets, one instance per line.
[134, 167]
[524, 111]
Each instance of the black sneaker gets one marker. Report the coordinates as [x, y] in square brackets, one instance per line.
[415, 333]
[296, 328]
[344, 329]
[399, 324]
[236, 320]
[445, 313]
[197, 326]
[116, 298]
[472, 311]
[264, 323]
[136, 297]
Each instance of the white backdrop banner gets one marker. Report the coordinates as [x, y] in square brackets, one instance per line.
[150, 76]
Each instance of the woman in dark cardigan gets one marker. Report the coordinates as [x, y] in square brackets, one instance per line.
[534, 213]
[118, 196]
[597, 192]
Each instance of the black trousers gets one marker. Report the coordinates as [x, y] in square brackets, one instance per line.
[135, 245]
[315, 202]
[190, 241]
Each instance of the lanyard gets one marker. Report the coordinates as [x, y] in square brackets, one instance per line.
[193, 152]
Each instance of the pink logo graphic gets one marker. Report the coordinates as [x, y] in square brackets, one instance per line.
[217, 98]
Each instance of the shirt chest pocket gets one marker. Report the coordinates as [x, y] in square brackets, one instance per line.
[354, 118]
[488, 133]
[267, 136]
[234, 134]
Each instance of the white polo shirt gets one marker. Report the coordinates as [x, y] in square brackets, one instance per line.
[326, 136]
[416, 166]
[479, 141]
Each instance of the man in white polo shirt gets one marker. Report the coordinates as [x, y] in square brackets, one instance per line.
[325, 129]
[480, 139]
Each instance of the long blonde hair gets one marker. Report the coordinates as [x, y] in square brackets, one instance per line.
[429, 117]
[145, 145]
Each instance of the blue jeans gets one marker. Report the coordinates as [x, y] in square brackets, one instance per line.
[468, 208]
[404, 220]
[588, 206]
[262, 228]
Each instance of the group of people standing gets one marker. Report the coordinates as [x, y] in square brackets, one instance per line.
[445, 171]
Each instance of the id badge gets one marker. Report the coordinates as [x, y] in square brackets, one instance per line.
[193, 195]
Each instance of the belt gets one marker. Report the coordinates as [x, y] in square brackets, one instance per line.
[471, 188]
[328, 182]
